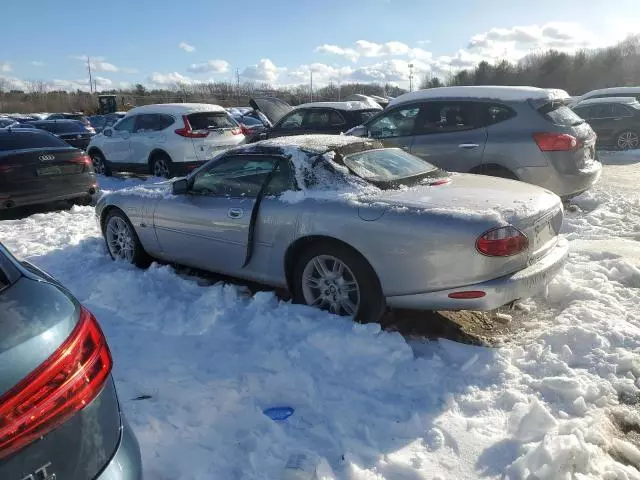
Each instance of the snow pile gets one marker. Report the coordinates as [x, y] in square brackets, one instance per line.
[369, 404]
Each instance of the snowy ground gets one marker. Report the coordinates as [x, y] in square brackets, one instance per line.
[558, 400]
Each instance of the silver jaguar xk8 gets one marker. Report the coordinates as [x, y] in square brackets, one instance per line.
[346, 225]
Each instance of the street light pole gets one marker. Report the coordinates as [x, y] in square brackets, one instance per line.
[411, 77]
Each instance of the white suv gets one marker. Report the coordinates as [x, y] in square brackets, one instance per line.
[165, 139]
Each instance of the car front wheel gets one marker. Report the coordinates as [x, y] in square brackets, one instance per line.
[122, 241]
[335, 278]
[628, 140]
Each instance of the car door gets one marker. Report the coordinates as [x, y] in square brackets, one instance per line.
[395, 128]
[290, 124]
[116, 144]
[450, 135]
[148, 134]
[209, 226]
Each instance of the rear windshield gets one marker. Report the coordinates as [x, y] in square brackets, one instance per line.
[66, 127]
[211, 121]
[559, 114]
[17, 140]
[364, 115]
[248, 120]
[386, 164]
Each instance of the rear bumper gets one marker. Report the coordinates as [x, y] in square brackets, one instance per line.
[500, 291]
[562, 184]
[78, 189]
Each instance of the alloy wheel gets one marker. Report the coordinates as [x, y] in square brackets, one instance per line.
[120, 239]
[329, 284]
[628, 140]
[160, 168]
[98, 164]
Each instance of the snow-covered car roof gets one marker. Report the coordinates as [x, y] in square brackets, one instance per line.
[621, 90]
[308, 143]
[176, 108]
[504, 93]
[591, 101]
[342, 105]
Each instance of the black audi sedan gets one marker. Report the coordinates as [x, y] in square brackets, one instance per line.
[59, 412]
[38, 167]
[616, 120]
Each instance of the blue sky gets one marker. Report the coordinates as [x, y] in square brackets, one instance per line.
[280, 41]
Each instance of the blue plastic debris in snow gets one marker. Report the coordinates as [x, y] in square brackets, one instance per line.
[278, 413]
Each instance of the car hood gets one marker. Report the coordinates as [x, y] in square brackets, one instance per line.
[475, 195]
[272, 108]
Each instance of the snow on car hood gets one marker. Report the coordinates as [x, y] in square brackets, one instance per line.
[474, 195]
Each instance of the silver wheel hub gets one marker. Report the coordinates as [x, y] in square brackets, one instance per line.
[98, 165]
[119, 239]
[160, 168]
[628, 140]
[328, 283]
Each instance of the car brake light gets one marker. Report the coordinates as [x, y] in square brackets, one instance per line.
[502, 242]
[236, 131]
[64, 384]
[243, 129]
[188, 132]
[82, 158]
[556, 142]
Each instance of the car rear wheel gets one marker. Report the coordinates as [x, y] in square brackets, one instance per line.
[161, 166]
[100, 165]
[335, 278]
[628, 140]
[122, 241]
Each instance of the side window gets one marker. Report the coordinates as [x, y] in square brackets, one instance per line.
[490, 114]
[243, 176]
[336, 118]
[163, 121]
[620, 110]
[293, 120]
[601, 111]
[445, 117]
[319, 118]
[397, 123]
[583, 112]
[145, 123]
[126, 124]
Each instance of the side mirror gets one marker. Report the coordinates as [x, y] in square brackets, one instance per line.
[107, 132]
[180, 187]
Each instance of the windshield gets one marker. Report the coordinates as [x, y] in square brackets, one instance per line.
[364, 115]
[387, 165]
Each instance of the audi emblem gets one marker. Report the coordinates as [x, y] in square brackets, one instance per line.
[46, 158]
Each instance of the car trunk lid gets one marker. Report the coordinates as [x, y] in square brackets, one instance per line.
[211, 133]
[41, 165]
[272, 108]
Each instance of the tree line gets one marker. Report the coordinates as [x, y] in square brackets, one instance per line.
[577, 73]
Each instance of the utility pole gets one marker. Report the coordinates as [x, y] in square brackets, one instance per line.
[339, 89]
[90, 80]
[238, 87]
[310, 86]
[411, 77]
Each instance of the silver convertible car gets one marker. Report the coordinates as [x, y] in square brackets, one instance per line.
[346, 225]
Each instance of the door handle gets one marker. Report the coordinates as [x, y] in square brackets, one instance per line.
[235, 212]
[468, 146]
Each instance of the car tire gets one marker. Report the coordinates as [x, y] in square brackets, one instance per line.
[349, 287]
[161, 165]
[627, 140]
[122, 241]
[100, 164]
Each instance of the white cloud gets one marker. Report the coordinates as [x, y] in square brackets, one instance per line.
[12, 83]
[213, 66]
[170, 79]
[264, 71]
[186, 47]
[322, 73]
[38, 63]
[98, 64]
[365, 48]
[5, 67]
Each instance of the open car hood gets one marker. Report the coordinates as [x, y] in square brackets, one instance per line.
[273, 108]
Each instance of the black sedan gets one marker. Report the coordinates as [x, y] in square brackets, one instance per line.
[616, 120]
[317, 117]
[37, 167]
[73, 132]
[59, 412]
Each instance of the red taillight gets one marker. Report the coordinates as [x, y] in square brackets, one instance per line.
[64, 384]
[83, 158]
[555, 142]
[502, 242]
[236, 131]
[469, 294]
[243, 129]
[188, 132]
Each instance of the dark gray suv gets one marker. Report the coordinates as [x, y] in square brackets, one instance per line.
[59, 413]
[522, 133]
